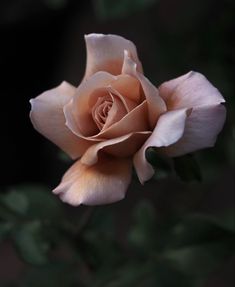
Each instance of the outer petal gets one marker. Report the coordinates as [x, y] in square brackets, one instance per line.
[48, 118]
[123, 146]
[105, 53]
[103, 183]
[169, 129]
[189, 90]
[201, 130]
[156, 105]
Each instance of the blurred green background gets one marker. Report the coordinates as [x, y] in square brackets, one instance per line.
[176, 231]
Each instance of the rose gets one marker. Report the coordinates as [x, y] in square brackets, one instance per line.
[116, 113]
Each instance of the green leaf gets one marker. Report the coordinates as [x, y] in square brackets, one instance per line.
[41, 204]
[199, 243]
[142, 229]
[227, 220]
[5, 228]
[162, 165]
[200, 260]
[197, 229]
[56, 274]
[108, 9]
[30, 244]
[15, 201]
[187, 168]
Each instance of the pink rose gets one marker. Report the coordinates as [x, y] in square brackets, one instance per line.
[116, 113]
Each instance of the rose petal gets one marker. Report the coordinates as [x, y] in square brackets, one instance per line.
[78, 110]
[134, 121]
[128, 103]
[169, 129]
[201, 130]
[48, 118]
[129, 87]
[123, 146]
[189, 90]
[103, 183]
[105, 53]
[156, 105]
[116, 113]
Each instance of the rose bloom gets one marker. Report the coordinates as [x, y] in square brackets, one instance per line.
[109, 121]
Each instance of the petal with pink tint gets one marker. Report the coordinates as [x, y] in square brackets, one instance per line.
[156, 105]
[201, 130]
[116, 113]
[190, 90]
[48, 118]
[105, 53]
[78, 111]
[169, 129]
[129, 87]
[123, 146]
[102, 183]
[127, 102]
[134, 121]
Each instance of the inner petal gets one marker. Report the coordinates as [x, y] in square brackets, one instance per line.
[108, 110]
[116, 113]
[101, 109]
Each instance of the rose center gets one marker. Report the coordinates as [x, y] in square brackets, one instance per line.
[108, 110]
[101, 110]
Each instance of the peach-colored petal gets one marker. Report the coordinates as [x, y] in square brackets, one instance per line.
[129, 87]
[78, 110]
[102, 183]
[156, 105]
[134, 121]
[48, 118]
[105, 53]
[169, 129]
[127, 102]
[116, 113]
[123, 146]
[201, 130]
[189, 90]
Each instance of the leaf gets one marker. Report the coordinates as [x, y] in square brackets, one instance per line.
[200, 243]
[41, 203]
[30, 244]
[15, 201]
[56, 274]
[5, 228]
[142, 229]
[109, 9]
[227, 220]
[162, 165]
[187, 168]
[200, 260]
[197, 229]
[147, 273]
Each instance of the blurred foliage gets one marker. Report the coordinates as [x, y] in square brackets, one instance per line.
[185, 167]
[88, 251]
[111, 9]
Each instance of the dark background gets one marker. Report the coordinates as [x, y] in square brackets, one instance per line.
[42, 44]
